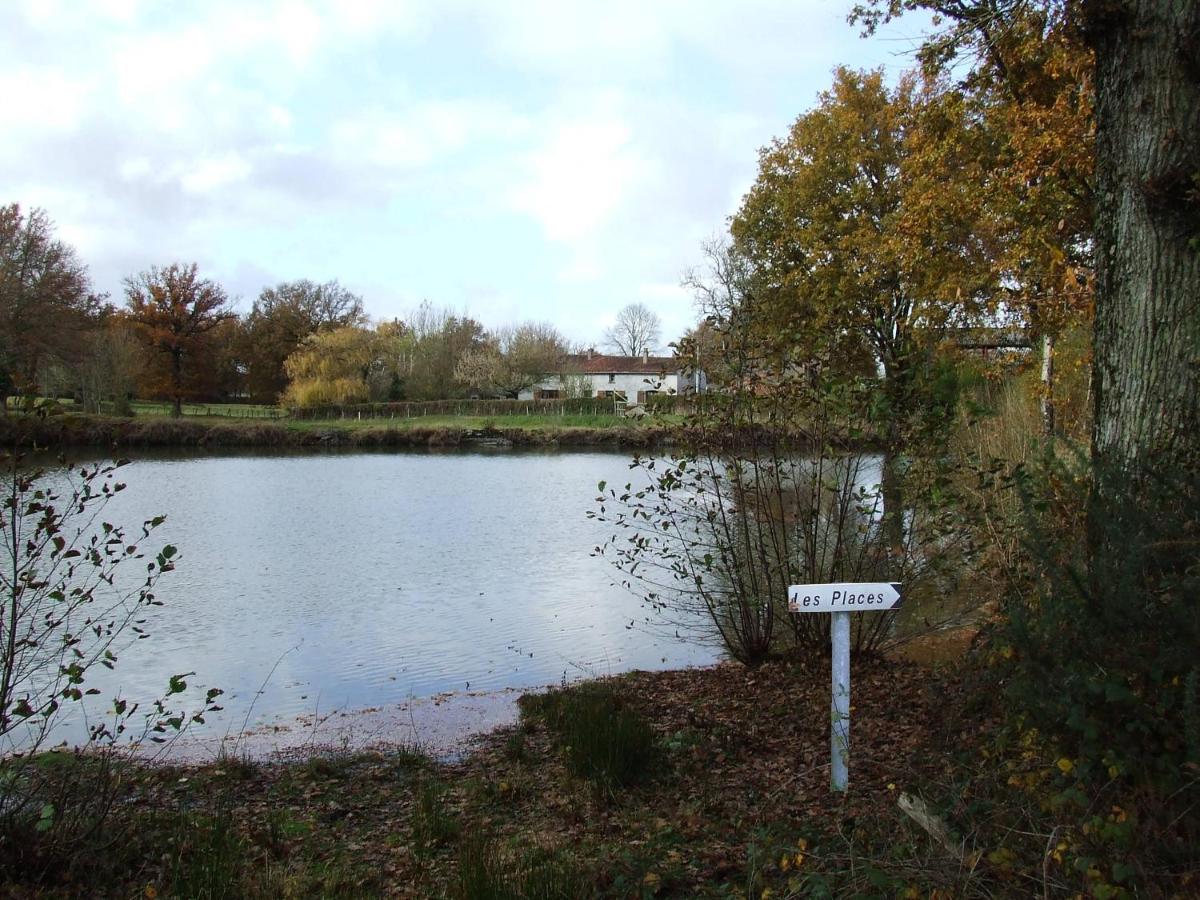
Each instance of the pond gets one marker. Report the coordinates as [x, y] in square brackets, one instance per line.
[315, 584]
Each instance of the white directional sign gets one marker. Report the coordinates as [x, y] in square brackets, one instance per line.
[841, 600]
[873, 597]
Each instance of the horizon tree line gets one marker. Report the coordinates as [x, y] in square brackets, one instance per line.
[178, 338]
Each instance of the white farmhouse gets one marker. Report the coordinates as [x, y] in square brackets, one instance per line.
[628, 378]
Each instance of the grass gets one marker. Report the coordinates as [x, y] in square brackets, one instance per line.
[433, 825]
[603, 739]
[484, 873]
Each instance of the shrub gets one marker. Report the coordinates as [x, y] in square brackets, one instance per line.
[65, 613]
[712, 540]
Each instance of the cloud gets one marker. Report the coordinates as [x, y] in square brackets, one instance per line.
[544, 159]
[579, 176]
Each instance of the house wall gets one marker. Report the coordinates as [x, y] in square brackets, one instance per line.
[628, 384]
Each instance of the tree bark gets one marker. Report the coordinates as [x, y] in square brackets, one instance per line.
[1147, 325]
[1048, 385]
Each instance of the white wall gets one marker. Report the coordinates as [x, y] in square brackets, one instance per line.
[629, 384]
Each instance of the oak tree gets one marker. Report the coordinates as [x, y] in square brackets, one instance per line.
[173, 310]
[862, 230]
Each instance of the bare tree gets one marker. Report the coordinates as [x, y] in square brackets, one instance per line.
[514, 359]
[636, 332]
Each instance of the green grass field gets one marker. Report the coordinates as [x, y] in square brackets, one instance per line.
[217, 410]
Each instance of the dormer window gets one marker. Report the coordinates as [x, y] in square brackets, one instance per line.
[612, 379]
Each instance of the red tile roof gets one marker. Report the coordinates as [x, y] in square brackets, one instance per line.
[600, 364]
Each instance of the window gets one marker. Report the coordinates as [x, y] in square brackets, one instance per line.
[549, 395]
[612, 378]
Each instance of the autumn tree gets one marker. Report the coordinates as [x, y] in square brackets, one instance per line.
[637, 331]
[173, 310]
[1146, 385]
[857, 239]
[281, 317]
[1104, 633]
[352, 364]
[46, 301]
[1036, 99]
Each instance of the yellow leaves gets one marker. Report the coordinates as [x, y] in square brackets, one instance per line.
[150, 892]
[1057, 853]
[793, 859]
[652, 882]
[1066, 766]
[1002, 858]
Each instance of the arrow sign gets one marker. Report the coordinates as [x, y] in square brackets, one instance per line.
[824, 598]
[841, 600]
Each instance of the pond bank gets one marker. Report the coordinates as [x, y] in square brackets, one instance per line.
[53, 432]
[731, 799]
[22, 431]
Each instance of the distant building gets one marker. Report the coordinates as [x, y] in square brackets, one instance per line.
[628, 378]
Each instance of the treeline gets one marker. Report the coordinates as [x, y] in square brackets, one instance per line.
[176, 337]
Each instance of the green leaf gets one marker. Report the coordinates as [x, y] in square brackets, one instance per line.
[46, 818]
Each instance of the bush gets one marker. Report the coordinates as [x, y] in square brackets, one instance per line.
[1097, 658]
[712, 540]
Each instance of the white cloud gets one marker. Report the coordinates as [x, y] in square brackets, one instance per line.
[421, 134]
[580, 176]
[207, 175]
[545, 159]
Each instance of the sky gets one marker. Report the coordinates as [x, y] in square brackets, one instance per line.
[516, 160]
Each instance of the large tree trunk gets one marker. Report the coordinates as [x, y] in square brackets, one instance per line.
[1147, 327]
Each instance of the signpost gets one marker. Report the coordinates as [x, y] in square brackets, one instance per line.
[840, 600]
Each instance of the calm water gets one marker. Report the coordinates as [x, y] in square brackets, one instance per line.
[313, 583]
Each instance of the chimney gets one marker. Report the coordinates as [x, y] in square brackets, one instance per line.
[646, 357]
[590, 351]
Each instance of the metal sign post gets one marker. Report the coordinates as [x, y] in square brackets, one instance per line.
[840, 600]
